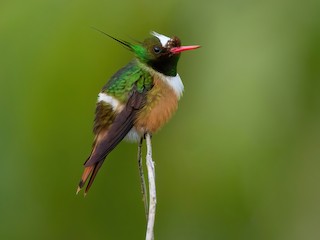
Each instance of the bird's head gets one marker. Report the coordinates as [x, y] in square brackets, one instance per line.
[158, 52]
[161, 52]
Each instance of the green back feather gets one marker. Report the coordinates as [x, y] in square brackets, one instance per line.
[126, 79]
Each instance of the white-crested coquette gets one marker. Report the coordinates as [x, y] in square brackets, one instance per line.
[138, 99]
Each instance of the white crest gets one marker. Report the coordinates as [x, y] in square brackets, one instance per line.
[162, 38]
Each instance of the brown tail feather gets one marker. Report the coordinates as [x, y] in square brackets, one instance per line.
[91, 172]
[86, 173]
[93, 175]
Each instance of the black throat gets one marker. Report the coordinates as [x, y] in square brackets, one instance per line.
[166, 66]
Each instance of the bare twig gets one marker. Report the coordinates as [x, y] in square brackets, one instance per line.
[152, 190]
[142, 180]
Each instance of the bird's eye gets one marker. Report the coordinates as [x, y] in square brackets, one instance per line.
[156, 49]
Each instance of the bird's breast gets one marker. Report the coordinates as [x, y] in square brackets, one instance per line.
[161, 103]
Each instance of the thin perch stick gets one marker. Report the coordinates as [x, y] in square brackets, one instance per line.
[142, 180]
[152, 190]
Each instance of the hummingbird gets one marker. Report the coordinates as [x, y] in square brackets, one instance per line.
[138, 99]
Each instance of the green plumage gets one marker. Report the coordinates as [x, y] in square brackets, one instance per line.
[122, 83]
[120, 86]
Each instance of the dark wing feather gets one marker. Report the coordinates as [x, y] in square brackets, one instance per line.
[108, 140]
[118, 130]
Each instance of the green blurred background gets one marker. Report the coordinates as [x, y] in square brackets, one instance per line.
[240, 159]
